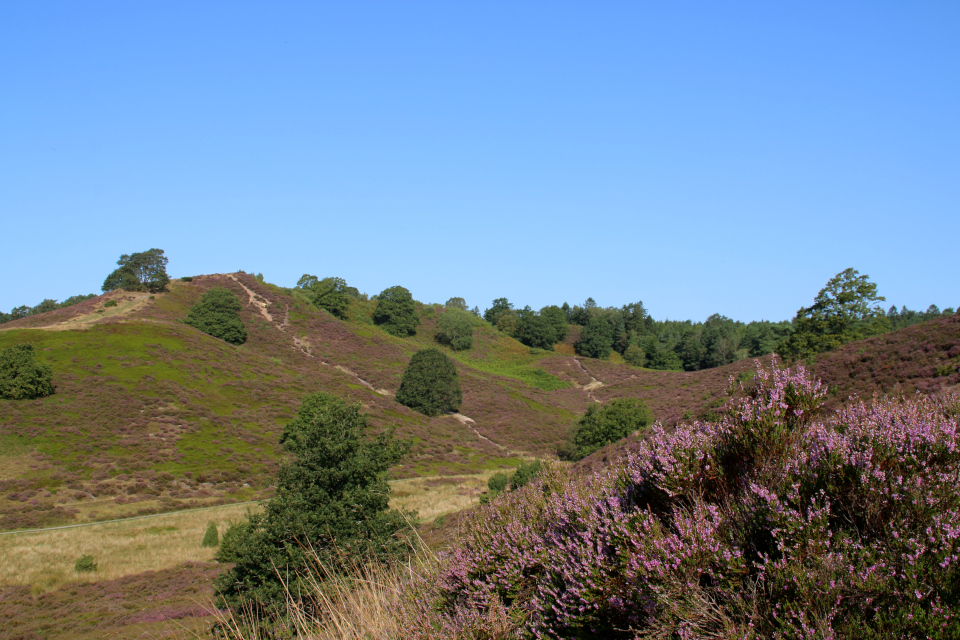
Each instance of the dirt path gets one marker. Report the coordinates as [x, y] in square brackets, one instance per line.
[590, 386]
[301, 344]
[468, 422]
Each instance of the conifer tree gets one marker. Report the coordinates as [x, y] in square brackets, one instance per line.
[430, 384]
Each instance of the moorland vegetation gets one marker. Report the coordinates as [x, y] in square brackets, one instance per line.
[774, 521]
[155, 412]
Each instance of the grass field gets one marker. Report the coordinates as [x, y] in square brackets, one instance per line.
[45, 560]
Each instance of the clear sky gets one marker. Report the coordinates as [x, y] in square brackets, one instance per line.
[707, 157]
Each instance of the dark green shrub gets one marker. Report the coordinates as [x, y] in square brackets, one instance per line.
[430, 384]
[332, 501]
[329, 294]
[110, 303]
[455, 328]
[232, 541]
[186, 279]
[526, 472]
[218, 314]
[211, 538]
[602, 425]
[85, 564]
[498, 482]
[21, 376]
[396, 313]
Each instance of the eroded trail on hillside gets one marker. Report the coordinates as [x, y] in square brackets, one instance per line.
[590, 386]
[299, 343]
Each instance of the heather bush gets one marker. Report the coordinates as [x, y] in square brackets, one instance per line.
[772, 522]
[21, 376]
[218, 314]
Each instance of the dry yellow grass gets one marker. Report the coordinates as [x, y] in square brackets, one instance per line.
[45, 559]
[438, 495]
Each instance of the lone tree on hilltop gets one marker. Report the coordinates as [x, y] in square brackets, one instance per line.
[332, 501]
[396, 312]
[430, 384]
[144, 271]
[218, 314]
[21, 376]
[845, 310]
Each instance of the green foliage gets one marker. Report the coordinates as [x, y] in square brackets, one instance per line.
[558, 319]
[596, 339]
[396, 312]
[526, 472]
[21, 376]
[332, 500]
[616, 420]
[85, 564]
[186, 279]
[110, 303]
[537, 331]
[330, 294]
[500, 307]
[218, 314]
[635, 356]
[455, 328]
[456, 303]
[498, 482]
[144, 271]
[430, 384]
[211, 538]
[843, 311]
[232, 541]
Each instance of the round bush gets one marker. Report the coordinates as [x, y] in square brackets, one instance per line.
[396, 313]
[430, 384]
[218, 314]
[21, 376]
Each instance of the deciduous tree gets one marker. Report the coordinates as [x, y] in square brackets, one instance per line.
[144, 271]
[396, 313]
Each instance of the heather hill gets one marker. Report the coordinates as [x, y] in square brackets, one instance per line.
[151, 414]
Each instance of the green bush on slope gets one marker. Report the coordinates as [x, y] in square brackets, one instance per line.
[332, 503]
[21, 376]
[218, 314]
[430, 384]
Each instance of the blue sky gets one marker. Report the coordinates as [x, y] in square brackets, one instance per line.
[702, 157]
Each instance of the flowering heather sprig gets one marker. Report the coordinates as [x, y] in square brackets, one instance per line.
[768, 523]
